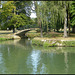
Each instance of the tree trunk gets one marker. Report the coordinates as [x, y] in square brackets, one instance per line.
[13, 29]
[57, 30]
[69, 28]
[47, 28]
[66, 61]
[54, 30]
[68, 19]
[40, 27]
[41, 32]
[65, 26]
[73, 29]
[68, 23]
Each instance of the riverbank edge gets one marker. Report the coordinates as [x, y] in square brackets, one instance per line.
[11, 37]
[53, 42]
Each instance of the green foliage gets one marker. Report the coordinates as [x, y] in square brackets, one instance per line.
[53, 15]
[37, 42]
[53, 43]
[9, 17]
[50, 14]
[3, 39]
[16, 20]
[73, 13]
[46, 43]
[6, 10]
[69, 43]
[41, 14]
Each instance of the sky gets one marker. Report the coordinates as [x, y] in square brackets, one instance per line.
[33, 15]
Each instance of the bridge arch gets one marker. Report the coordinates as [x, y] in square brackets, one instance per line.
[22, 32]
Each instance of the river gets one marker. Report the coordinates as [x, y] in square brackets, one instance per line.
[20, 57]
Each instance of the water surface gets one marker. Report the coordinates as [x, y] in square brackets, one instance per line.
[20, 57]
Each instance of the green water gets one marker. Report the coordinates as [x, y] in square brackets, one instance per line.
[20, 57]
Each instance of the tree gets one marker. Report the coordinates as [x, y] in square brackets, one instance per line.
[42, 12]
[73, 16]
[23, 7]
[38, 13]
[16, 13]
[66, 7]
[6, 11]
[16, 21]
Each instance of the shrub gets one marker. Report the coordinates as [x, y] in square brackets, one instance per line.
[69, 43]
[46, 44]
[37, 42]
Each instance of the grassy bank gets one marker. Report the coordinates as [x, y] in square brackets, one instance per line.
[34, 33]
[7, 35]
[51, 39]
[53, 42]
[1, 39]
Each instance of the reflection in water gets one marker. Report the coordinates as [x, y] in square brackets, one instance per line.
[66, 61]
[8, 52]
[19, 57]
[43, 69]
[2, 65]
[0, 58]
[35, 56]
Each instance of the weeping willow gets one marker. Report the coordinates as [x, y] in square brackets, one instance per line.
[49, 13]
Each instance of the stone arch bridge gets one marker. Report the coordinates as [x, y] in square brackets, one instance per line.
[21, 33]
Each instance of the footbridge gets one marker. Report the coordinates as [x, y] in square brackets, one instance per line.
[21, 33]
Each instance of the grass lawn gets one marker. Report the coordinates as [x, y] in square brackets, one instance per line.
[6, 35]
[50, 39]
[50, 35]
[33, 33]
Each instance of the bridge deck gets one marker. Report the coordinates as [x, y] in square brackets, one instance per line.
[21, 33]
